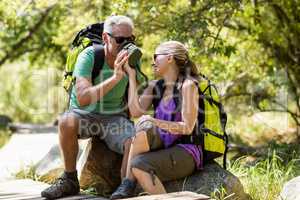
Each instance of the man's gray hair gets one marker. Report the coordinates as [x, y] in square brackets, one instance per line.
[116, 20]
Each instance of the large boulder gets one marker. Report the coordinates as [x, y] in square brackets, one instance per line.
[99, 168]
[51, 166]
[23, 151]
[102, 171]
[213, 179]
[291, 190]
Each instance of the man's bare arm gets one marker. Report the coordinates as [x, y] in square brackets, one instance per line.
[88, 94]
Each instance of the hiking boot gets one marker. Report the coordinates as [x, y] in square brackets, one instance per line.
[125, 190]
[63, 186]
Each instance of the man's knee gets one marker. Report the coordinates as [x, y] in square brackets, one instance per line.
[68, 124]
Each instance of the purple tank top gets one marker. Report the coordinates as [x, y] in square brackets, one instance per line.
[164, 112]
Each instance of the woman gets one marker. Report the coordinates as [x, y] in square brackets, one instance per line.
[154, 154]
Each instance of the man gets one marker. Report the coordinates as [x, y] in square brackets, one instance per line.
[97, 109]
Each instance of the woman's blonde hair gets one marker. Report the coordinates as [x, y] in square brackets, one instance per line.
[180, 54]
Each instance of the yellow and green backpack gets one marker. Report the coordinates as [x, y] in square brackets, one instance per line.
[89, 36]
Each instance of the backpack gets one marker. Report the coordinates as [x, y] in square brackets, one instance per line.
[209, 131]
[89, 36]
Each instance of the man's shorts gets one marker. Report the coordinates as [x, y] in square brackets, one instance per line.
[167, 164]
[113, 129]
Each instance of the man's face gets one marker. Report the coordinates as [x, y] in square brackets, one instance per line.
[112, 44]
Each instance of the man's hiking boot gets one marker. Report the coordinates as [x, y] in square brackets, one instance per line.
[63, 186]
[125, 190]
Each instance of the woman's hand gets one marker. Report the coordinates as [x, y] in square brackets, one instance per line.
[121, 59]
[144, 122]
[129, 70]
[146, 118]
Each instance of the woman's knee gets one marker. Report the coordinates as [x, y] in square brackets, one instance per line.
[127, 142]
[137, 172]
[139, 137]
[139, 162]
[140, 173]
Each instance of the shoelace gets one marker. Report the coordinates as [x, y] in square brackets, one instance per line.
[60, 181]
[122, 187]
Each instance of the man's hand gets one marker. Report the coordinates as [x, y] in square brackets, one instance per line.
[121, 59]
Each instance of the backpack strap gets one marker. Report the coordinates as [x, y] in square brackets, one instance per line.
[177, 96]
[158, 92]
[200, 118]
[99, 57]
[196, 137]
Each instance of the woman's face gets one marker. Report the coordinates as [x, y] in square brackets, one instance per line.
[161, 63]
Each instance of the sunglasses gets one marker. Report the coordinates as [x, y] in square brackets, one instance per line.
[120, 40]
[157, 54]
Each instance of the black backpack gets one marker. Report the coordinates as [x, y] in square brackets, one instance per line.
[89, 36]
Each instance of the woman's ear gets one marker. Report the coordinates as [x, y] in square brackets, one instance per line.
[170, 58]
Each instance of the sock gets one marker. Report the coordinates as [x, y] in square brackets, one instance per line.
[71, 175]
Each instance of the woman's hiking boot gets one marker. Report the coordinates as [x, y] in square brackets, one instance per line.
[125, 190]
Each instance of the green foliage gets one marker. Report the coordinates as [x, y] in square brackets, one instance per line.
[27, 100]
[271, 28]
[27, 173]
[90, 191]
[29, 31]
[220, 194]
[4, 137]
[265, 178]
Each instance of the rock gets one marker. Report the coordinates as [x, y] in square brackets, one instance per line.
[99, 168]
[212, 179]
[50, 167]
[291, 190]
[23, 151]
[50, 161]
[103, 173]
